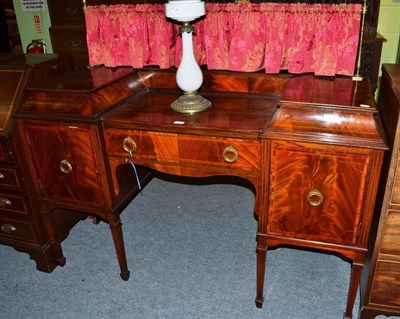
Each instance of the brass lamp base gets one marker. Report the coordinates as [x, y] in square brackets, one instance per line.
[190, 103]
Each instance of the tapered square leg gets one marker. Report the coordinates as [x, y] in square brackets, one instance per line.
[356, 271]
[116, 231]
[261, 258]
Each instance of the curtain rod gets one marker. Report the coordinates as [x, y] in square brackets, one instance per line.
[239, 2]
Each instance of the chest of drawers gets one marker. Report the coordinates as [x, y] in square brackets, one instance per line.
[381, 278]
[68, 31]
[21, 225]
[13, 203]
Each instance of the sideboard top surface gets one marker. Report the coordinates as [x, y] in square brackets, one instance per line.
[249, 105]
[330, 91]
[82, 80]
[230, 113]
[89, 84]
[15, 71]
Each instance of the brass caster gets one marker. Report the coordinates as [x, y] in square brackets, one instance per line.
[259, 303]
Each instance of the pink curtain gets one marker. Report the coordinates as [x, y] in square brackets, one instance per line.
[298, 37]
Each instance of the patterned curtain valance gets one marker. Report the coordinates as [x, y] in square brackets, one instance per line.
[298, 37]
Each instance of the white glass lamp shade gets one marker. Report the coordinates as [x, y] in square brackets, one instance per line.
[185, 10]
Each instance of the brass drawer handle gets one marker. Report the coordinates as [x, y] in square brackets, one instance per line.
[129, 145]
[73, 10]
[4, 202]
[7, 228]
[230, 154]
[74, 43]
[315, 198]
[1, 176]
[65, 167]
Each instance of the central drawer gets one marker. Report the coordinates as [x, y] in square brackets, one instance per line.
[184, 149]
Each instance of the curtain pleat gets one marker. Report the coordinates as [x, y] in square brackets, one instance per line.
[297, 37]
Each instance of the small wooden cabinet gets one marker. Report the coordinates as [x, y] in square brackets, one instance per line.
[328, 204]
[380, 286]
[69, 171]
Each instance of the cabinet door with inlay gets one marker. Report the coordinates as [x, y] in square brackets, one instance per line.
[317, 192]
[64, 158]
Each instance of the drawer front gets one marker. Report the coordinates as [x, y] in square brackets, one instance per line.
[69, 40]
[390, 244]
[13, 204]
[66, 162]
[9, 178]
[66, 12]
[16, 229]
[184, 149]
[316, 192]
[386, 285]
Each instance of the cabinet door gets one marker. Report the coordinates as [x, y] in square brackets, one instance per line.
[65, 160]
[317, 192]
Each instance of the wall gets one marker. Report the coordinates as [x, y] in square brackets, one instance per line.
[27, 27]
[389, 28]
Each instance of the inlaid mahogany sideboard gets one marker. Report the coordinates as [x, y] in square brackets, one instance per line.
[380, 285]
[312, 147]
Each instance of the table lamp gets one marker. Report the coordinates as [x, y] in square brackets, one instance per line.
[189, 76]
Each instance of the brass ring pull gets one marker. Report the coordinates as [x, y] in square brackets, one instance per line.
[65, 167]
[230, 154]
[4, 202]
[315, 198]
[129, 145]
[1, 176]
[73, 10]
[7, 228]
[74, 43]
